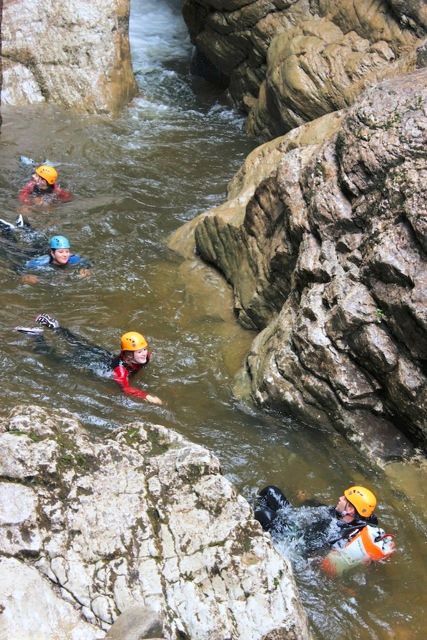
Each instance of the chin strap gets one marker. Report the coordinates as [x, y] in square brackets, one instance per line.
[349, 532]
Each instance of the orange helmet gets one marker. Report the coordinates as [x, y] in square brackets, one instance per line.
[133, 341]
[362, 499]
[47, 172]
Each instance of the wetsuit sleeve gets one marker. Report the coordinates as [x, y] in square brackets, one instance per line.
[121, 376]
[24, 195]
[75, 260]
[62, 194]
[37, 263]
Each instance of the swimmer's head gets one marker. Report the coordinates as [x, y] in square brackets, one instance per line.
[134, 347]
[59, 242]
[48, 173]
[133, 341]
[362, 499]
[59, 250]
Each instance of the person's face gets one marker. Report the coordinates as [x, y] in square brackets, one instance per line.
[40, 182]
[60, 256]
[344, 507]
[140, 356]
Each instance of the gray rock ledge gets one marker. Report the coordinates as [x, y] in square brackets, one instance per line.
[93, 527]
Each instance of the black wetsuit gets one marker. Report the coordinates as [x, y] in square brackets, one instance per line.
[19, 244]
[76, 351]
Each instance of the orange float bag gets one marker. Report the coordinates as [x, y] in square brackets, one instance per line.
[368, 545]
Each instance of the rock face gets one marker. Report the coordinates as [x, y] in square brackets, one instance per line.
[141, 520]
[290, 61]
[72, 53]
[328, 258]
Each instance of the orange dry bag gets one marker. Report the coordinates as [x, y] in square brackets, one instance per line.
[369, 544]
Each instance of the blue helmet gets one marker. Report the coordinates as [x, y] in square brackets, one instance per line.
[59, 242]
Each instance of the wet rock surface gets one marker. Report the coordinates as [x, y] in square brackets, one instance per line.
[138, 521]
[71, 53]
[289, 61]
[327, 258]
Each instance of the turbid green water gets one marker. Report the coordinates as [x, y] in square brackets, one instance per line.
[136, 179]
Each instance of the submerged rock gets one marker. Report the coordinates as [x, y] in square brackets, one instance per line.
[142, 518]
[71, 53]
[327, 259]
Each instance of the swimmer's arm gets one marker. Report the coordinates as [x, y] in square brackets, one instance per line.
[24, 195]
[84, 273]
[29, 278]
[62, 194]
[24, 209]
[121, 376]
[83, 265]
[153, 399]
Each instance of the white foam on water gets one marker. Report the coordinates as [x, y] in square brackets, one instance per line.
[157, 34]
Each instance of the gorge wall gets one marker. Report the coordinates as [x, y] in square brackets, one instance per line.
[323, 239]
[286, 62]
[323, 235]
[75, 54]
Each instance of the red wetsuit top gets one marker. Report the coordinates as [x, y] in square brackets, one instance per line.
[122, 370]
[30, 191]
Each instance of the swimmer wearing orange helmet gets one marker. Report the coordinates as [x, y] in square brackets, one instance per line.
[134, 354]
[43, 188]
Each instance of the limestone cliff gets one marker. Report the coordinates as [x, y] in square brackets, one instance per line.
[323, 239]
[140, 519]
[72, 53]
[287, 62]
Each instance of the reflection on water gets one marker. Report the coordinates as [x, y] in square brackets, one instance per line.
[136, 179]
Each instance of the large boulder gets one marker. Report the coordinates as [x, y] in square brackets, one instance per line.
[72, 53]
[139, 523]
[289, 61]
[327, 258]
[31, 609]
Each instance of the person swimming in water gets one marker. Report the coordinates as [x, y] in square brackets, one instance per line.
[43, 188]
[133, 356]
[339, 538]
[58, 257]
[317, 526]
